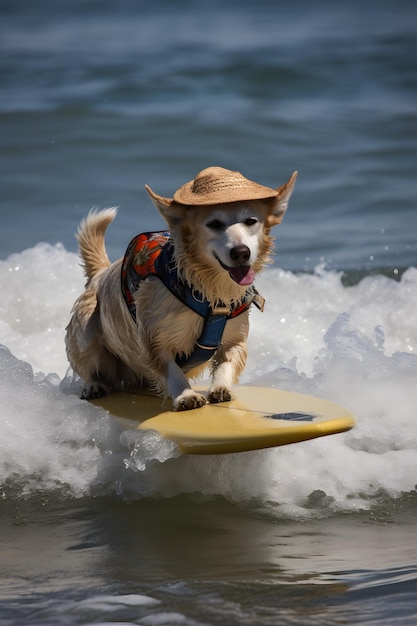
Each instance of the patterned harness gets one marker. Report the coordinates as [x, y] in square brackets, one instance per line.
[152, 254]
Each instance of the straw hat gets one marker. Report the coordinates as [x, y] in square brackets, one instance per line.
[217, 185]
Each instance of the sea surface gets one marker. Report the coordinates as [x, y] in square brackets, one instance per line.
[99, 98]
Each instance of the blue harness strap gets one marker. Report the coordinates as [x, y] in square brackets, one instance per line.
[208, 343]
[152, 254]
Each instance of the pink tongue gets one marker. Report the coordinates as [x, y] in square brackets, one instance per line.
[242, 274]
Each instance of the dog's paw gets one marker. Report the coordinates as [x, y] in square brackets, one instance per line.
[220, 394]
[189, 399]
[94, 390]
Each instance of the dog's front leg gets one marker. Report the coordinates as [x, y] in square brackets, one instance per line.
[179, 389]
[228, 364]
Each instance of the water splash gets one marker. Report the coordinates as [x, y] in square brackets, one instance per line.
[316, 336]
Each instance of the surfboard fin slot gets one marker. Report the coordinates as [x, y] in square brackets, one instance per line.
[294, 416]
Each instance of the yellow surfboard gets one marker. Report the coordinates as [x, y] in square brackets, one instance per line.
[257, 418]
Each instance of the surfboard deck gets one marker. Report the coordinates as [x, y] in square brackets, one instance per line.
[257, 418]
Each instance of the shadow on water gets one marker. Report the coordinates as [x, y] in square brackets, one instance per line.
[210, 560]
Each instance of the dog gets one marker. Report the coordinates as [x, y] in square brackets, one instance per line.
[179, 300]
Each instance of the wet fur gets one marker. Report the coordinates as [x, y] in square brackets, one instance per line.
[110, 352]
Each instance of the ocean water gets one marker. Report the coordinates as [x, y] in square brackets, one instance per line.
[98, 99]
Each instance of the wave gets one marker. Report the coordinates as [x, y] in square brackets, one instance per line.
[355, 345]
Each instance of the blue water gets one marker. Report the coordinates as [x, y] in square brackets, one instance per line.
[99, 98]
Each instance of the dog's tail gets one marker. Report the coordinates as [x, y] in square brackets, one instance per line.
[90, 236]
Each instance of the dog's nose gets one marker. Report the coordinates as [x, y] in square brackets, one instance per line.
[240, 254]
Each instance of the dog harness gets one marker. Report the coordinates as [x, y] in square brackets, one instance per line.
[152, 254]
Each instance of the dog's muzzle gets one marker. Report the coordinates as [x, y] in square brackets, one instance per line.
[242, 274]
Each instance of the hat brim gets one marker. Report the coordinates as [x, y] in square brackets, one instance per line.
[238, 192]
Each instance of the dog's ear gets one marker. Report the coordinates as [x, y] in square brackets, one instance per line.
[279, 205]
[170, 210]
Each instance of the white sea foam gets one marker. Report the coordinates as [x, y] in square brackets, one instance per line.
[355, 345]
[112, 607]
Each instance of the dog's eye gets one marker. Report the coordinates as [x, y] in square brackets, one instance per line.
[216, 225]
[250, 221]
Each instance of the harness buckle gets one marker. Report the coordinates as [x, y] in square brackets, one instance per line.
[259, 301]
[221, 310]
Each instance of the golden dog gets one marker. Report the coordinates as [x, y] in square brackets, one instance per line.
[179, 300]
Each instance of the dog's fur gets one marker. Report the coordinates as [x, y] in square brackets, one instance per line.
[110, 352]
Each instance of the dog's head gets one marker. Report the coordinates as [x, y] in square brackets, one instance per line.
[221, 239]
